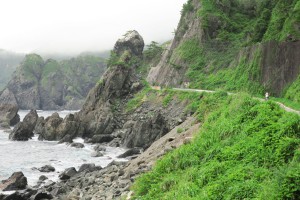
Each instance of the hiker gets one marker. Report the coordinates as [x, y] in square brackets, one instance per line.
[267, 96]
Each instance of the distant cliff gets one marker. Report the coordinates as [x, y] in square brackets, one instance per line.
[49, 85]
[9, 61]
[233, 45]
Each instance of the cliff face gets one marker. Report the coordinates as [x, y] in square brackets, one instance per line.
[233, 45]
[49, 85]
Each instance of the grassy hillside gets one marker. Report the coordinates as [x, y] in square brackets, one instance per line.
[245, 149]
[229, 27]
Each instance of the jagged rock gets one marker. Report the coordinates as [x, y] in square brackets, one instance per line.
[144, 133]
[7, 97]
[9, 114]
[87, 167]
[77, 145]
[46, 168]
[68, 173]
[56, 128]
[24, 130]
[17, 181]
[39, 125]
[132, 41]
[130, 152]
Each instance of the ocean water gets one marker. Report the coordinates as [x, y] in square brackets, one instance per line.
[26, 156]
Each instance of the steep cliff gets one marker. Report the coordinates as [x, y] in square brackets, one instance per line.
[234, 45]
[49, 85]
[9, 61]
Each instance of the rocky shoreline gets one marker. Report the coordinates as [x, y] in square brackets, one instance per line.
[149, 130]
[112, 182]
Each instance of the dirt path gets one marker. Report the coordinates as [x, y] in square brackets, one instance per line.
[288, 109]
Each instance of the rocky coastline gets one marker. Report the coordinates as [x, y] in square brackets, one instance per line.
[105, 120]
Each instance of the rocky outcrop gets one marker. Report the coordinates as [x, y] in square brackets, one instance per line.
[276, 66]
[171, 69]
[8, 115]
[52, 85]
[56, 128]
[24, 130]
[17, 181]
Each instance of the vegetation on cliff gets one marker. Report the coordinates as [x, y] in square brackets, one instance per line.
[245, 149]
[235, 46]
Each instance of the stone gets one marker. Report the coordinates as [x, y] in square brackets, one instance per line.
[77, 145]
[89, 167]
[17, 181]
[97, 154]
[130, 152]
[46, 168]
[68, 173]
[24, 130]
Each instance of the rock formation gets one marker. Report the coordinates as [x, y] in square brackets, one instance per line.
[24, 130]
[8, 115]
[17, 181]
[52, 85]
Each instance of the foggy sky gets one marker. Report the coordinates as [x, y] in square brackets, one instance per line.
[74, 26]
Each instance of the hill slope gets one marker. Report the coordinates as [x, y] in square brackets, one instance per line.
[234, 45]
[50, 85]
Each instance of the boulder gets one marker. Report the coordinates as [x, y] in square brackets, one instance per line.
[101, 138]
[46, 168]
[68, 173]
[97, 154]
[17, 181]
[24, 130]
[89, 167]
[130, 152]
[56, 128]
[77, 145]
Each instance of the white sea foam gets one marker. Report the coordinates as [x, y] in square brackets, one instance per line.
[32, 154]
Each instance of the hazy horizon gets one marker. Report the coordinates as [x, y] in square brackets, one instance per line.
[75, 26]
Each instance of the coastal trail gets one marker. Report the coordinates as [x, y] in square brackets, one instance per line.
[288, 109]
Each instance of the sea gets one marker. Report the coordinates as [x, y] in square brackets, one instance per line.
[29, 155]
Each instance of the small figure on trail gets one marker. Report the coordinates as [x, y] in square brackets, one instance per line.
[267, 96]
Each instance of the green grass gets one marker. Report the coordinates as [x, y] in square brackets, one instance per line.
[246, 149]
[289, 103]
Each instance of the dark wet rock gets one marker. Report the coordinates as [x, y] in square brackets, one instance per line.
[17, 181]
[42, 196]
[100, 147]
[101, 138]
[15, 196]
[130, 152]
[88, 167]
[24, 130]
[56, 128]
[77, 145]
[68, 173]
[46, 168]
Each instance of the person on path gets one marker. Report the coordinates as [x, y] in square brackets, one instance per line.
[267, 96]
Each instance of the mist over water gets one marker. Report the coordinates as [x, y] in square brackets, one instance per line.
[25, 156]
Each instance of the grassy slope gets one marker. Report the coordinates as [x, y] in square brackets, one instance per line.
[230, 26]
[245, 149]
